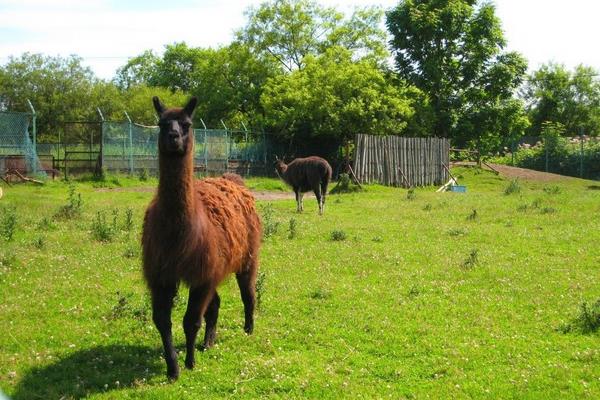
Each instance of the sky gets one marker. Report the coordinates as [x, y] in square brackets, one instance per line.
[105, 33]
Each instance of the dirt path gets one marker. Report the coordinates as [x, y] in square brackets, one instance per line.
[521, 173]
[260, 195]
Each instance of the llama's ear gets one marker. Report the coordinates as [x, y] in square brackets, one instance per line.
[190, 106]
[158, 106]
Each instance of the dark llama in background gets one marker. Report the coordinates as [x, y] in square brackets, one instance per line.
[197, 232]
[306, 174]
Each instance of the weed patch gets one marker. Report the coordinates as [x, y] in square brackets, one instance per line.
[8, 223]
[514, 187]
[338, 235]
[588, 320]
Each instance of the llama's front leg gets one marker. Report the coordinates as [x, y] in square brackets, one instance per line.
[192, 320]
[162, 303]
[247, 283]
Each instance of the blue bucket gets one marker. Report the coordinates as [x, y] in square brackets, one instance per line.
[458, 188]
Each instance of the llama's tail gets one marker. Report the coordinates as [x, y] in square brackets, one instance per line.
[235, 178]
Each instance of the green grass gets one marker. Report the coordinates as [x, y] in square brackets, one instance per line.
[418, 301]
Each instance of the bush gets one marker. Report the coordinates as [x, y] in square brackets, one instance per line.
[73, 207]
[8, 223]
[588, 320]
[345, 185]
[338, 235]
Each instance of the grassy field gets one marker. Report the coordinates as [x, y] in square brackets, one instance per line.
[389, 294]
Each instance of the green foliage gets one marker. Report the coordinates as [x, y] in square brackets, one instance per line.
[293, 228]
[472, 260]
[571, 99]
[73, 207]
[345, 185]
[334, 97]
[410, 194]
[269, 224]
[452, 51]
[102, 230]
[261, 280]
[513, 187]
[290, 30]
[338, 235]
[473, 216]
[8, 222]
[588, 320]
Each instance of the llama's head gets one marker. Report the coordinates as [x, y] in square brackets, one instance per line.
[176, 137]
[279, 165]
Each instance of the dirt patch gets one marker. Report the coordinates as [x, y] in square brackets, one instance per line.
[258, 195]
[521, 173]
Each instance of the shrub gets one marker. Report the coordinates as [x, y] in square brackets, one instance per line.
[102, 231]
[338, 235]
[8, 223]
[410, 195]
[588, 320]
[73, 207]
[293, 229]
[269, 224]
[513, 187]
[345, 185]
[472, 260]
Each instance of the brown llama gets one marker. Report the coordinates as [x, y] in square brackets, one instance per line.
[306, 174]
[197, 232]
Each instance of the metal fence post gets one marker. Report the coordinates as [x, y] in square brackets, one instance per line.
[581, 152]
[101, 138]
[34, 133]
[130, 144]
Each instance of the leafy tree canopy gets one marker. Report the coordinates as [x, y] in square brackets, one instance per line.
[452, 50]
[572, 99]
[290, 30]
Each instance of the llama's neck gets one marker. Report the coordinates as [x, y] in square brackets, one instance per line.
[176, 187]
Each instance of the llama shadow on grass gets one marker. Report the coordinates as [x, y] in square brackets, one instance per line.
[96, 370]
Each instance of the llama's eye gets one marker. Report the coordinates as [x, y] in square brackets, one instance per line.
[186, 126]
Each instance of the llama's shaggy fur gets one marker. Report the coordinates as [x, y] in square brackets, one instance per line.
[306, 174]
[197, 232]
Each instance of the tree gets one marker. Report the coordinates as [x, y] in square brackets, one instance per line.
[571, 99]
[332, 99]
[60, 89]
[289, 30]
[452, 51]
[140, 70]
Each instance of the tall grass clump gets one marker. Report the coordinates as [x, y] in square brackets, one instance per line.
[270, 225]
[514, 187]
[74, 205]
[8, 223]
[103, 231]
[588, 320]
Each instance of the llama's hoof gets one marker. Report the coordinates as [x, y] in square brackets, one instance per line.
[249, 329]
[190, 364]
[173, 374]
[207, 345]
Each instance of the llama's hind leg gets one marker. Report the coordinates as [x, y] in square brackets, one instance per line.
[198, 300]
[162, 303]
[247, 283]
[299, 200]
[210, 319]
[319, 197]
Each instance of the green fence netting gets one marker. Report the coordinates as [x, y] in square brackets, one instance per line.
[17, 150]
[130, 147]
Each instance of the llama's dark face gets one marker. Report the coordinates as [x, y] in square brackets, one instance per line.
[279, 165]
[176, 137]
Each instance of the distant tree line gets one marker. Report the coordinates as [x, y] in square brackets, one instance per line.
[310, 74]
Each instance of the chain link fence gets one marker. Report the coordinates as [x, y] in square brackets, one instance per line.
[577, 156]
[17, 143]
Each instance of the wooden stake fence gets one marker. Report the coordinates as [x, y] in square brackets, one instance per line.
[401, 161]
